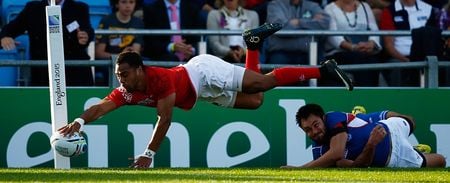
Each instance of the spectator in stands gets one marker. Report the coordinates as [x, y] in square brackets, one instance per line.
[351, 16]
[175, 15]
[260, 6]
[294, 15]
[205, 7]
[438, 4]
[444, 24]
[404, 15]
[148, 2]
[106, 45]
[377, 7]
[77, 33]
[230, 16]
[138, 9]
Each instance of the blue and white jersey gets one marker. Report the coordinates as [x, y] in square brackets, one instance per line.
[373, 117]
[358, 129]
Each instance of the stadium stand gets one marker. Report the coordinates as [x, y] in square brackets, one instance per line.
[12, 75]
[10, 9]
[97, 10]
[8, 74]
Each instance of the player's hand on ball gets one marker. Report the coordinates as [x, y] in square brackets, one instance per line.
[142, 162]
[69, 129]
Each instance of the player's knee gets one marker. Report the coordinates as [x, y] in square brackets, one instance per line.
[257, 101]
[441, 160]
[435, 160]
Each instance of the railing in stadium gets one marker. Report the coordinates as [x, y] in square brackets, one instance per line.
[430, 65]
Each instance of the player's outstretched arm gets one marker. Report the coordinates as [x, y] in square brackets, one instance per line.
[336, 153]
[164, 109]
[94, 112]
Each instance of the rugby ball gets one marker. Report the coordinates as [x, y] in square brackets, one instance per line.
[68, 146]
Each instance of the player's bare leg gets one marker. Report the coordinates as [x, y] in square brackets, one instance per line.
[435, 160]
[254, 39]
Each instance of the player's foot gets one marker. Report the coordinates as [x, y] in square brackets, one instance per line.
[424, 148]
[254, 38]
[358, 110]
[329, 69]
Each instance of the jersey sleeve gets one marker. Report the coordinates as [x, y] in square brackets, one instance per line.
[319, 150]
[336, 122]
[117, 96]
[373, 117]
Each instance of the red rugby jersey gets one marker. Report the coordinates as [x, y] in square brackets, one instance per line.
[161, 82]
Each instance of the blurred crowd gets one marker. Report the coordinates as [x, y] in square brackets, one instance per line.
[426, 19]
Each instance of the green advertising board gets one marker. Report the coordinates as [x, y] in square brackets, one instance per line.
[208, 135]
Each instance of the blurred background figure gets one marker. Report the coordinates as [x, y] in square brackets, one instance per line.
[404, 15]
[444, 24]
[260, 6]
[105, 45]
[230, 16]
[77, 33]
[171, 15]
[205, 7]
[351, 16]
[377, 7]
[294, 15]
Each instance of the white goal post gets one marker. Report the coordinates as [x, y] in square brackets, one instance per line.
[56, 76]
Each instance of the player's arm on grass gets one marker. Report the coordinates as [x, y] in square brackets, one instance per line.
[334, 154]
[93, 113]
[164, 109]
[368, 153]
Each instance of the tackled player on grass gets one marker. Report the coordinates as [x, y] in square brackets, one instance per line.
[378, 139]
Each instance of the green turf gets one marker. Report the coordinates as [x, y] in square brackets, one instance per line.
[224, 175]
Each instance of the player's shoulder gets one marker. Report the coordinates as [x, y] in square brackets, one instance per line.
[336, 116]
[119, 89]
[335, 113]
[156, 70]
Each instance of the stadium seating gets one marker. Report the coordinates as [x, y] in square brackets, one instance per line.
[11, 8]
[8, 74]
[97, 10]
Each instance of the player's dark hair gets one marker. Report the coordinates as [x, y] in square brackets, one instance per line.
[131, 58]
[309, 109]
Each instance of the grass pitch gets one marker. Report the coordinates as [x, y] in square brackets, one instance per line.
[224, 175]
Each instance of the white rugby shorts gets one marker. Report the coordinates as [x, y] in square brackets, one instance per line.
[403, 154]
[214, 79]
